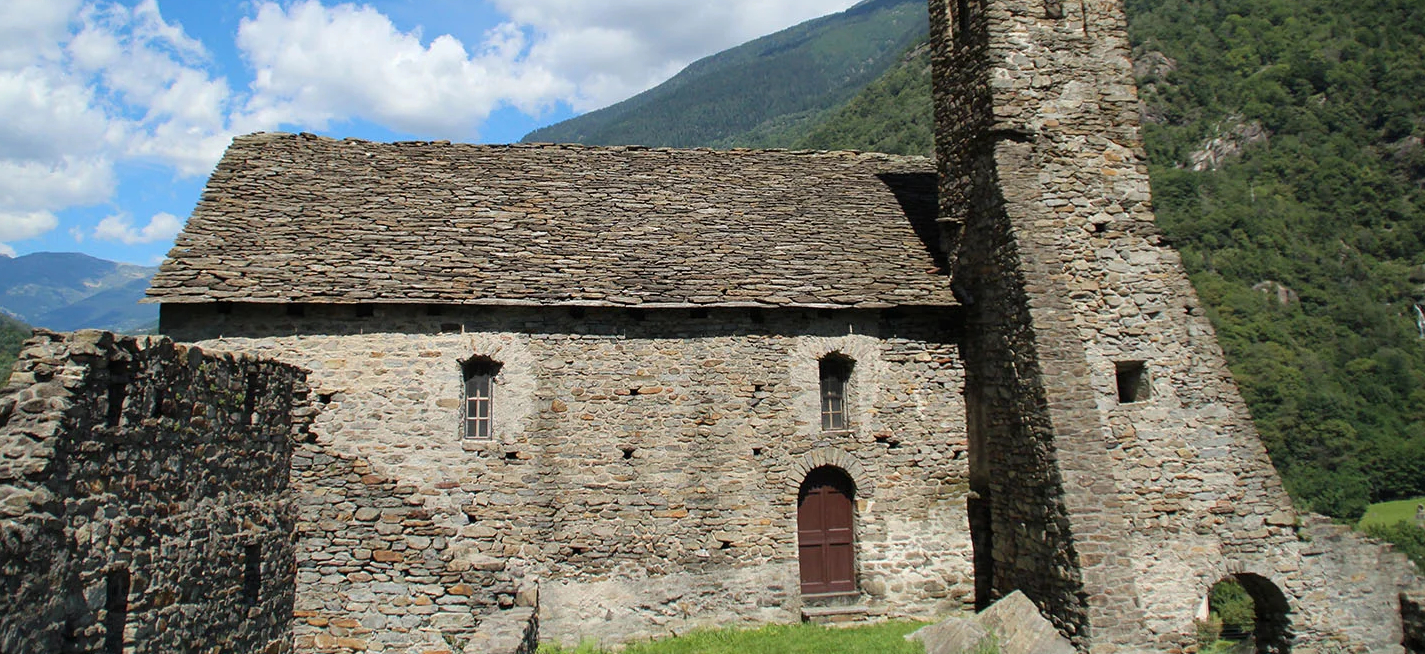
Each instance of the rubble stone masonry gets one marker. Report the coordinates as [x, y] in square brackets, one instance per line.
[642, 478]
[143, 498]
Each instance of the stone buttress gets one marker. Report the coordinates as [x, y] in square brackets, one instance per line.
[1115, 472]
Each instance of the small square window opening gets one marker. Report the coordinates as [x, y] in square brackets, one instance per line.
[1133, 382]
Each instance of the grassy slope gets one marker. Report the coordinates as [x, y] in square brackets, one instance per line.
[1389, 513]
[762, 93]
[884, 638]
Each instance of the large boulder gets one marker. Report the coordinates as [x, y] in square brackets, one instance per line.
[1014, 623]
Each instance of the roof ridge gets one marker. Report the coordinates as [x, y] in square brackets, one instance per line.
[270, 137]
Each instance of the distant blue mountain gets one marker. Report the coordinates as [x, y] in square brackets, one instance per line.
[68, 290]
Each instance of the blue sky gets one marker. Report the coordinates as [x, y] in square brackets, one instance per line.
[112, 113]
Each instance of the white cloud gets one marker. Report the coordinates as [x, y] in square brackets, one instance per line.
[33, 29]
[47, 116]
[20, 226]
[118, 227]
[85, 87]
[41, 186]
[315, 64]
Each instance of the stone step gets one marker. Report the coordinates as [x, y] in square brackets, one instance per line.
[834, 614]
[832, 599]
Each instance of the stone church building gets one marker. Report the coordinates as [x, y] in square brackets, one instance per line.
[669, 387]
[568, 392]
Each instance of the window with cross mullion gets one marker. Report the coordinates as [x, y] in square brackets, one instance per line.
[834, 372]
[479, 394]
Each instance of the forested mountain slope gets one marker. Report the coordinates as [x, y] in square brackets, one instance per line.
[1285, 145]
[762, 93]
[1308, 245]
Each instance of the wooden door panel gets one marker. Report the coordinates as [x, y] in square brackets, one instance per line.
[840, 568]
[825, 534]
[813, 569]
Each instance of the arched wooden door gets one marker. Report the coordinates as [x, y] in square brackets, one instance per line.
[826, 541]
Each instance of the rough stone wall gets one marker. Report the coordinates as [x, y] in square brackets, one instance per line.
[1413, 616]
[137, 459]
[1021, 522]
[644, 471]
[1146, 503]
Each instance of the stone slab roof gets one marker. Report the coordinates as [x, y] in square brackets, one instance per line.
[301, 218]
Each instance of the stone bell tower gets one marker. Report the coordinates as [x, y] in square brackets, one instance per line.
[1116, 472]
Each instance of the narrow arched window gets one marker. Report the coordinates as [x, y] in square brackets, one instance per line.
[835, 373]
[480, 374]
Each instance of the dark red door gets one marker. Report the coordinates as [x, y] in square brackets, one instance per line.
[824, 535]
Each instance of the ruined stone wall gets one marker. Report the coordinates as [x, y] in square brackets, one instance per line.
[143, 498]
[644, 470]
[1070, 290]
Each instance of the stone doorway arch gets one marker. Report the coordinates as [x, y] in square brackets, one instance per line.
[826, 534]
[1271, 625]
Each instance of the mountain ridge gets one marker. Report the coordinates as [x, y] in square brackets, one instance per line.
[65, 291]
[806, 70]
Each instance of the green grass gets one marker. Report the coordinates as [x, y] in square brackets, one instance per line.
[883, 638]
[1389, 513]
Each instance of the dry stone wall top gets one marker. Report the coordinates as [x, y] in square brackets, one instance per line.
[300, 218]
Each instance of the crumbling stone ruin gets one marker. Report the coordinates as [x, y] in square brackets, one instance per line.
[562, 391]
[144, 503]
[1115, 470]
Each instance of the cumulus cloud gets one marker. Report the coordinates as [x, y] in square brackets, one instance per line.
[315, 63]
[85, 86]
[119, 227]
[20, 226]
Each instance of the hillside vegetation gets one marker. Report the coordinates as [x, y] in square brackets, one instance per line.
[763, 93]
[1309, 244]
[12, 335]
[892, 114]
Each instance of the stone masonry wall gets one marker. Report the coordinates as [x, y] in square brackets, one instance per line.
[1068, 283]
[1413, 617]
[643, 475]
[1021, 522]
[143, 498]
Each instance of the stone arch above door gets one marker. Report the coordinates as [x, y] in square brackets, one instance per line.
[836, 458]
